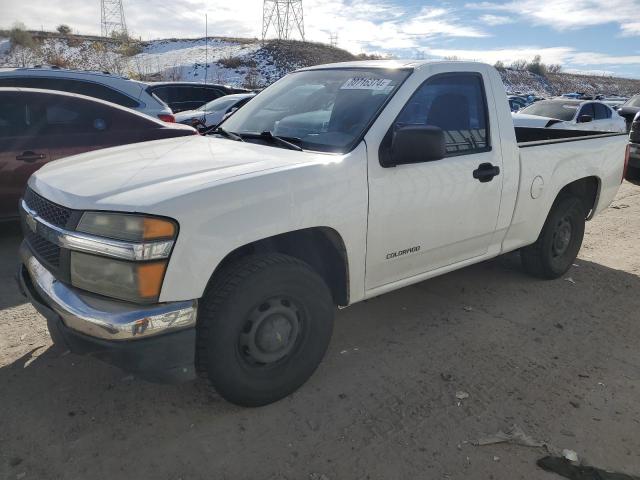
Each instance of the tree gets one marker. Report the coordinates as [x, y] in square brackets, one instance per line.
[554, 68]
[499, 65]
[519, 64]
[537, 67]
[64, 29]
[19, 36]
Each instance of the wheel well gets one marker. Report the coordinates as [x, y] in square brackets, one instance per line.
[321, 247]
[586, 189]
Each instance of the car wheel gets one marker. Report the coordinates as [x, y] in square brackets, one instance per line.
[559, 242]
[264, 326]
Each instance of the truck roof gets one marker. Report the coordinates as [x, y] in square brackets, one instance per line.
[395, 63]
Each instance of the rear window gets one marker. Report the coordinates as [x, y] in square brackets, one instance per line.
[558, 110]
[91, 89]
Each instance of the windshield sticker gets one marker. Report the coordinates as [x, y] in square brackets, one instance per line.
[361, 83]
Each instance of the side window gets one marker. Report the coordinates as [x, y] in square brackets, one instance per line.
[70, 116]
[455, 103]
[13, 117]
[209, 94]
[588, 110]
[602, 111]
[89, 89]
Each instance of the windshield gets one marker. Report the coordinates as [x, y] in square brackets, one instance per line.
[218, 104]
[558, 110]
[322, 110]
[633, 102]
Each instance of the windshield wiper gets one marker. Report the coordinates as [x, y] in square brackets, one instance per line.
[285, 142]
[226, 134]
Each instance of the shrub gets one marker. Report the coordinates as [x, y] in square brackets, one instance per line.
[537, 67]
[19, 36]
[499, 66]
[236, 62]
[64, 29]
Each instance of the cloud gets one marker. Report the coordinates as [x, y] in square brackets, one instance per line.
[493, 20]
[359, 25]
[562, 55]
[571, 14]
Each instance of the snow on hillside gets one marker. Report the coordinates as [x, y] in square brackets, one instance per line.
[245, 62]
[230, 61]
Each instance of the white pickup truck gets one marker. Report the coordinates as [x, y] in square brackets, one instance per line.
[227, 254]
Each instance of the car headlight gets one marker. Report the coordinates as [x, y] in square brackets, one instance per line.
[136, 281]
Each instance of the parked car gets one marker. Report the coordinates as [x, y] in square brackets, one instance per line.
[629, 109]
[103, 85]
[181, 96]
[517, 103]
[38, 126]
[569, 114]
[239, 245]
[633, 151]
[215, 111]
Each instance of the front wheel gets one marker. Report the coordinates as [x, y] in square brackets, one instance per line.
[264, 326]
[559, 242]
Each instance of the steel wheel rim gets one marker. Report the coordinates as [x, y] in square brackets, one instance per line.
[271, 331]
[561, 237]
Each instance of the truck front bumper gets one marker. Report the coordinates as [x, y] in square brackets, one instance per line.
[156, 342]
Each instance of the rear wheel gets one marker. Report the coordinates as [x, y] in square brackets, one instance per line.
[264, 327]
[559, 242]
[633, 175]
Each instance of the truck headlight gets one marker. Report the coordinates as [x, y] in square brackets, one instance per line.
[136, 279]
[138, 282]
[131, 227]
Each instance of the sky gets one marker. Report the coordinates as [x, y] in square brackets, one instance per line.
[583, 35]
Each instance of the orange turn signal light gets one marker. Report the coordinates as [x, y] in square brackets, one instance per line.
[154, 228]
[150, 277]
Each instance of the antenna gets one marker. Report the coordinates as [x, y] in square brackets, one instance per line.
[112, 18]
[285, 16]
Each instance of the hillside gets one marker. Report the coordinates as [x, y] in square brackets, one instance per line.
[243, 62]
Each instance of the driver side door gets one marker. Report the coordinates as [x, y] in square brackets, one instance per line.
[425, 216]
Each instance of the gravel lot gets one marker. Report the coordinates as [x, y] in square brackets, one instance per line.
[560, 359]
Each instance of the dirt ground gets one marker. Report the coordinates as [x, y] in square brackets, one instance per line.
[560, 359]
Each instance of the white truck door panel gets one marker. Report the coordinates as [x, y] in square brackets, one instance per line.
[428, 215]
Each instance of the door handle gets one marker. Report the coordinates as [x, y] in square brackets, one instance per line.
[485, 172]
[30, 156]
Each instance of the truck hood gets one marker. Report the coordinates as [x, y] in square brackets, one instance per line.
[526, 120]
[143, 174]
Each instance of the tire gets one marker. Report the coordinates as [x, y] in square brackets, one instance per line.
[559, 242]
[265, 324]
[633, 175]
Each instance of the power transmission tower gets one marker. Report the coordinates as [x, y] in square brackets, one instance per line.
[333, 39]
[285, 16]
[112, 18]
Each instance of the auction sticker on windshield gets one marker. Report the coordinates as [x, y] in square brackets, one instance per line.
[362, 83]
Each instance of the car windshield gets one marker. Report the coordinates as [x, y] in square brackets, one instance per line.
[322, 110]
[558, 110]
[633, 102]
[218, 104]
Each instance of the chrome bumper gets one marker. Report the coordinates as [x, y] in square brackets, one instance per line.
[108, 319]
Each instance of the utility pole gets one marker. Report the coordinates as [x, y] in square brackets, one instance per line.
[112, 18]
[206, 48]
[285, 16]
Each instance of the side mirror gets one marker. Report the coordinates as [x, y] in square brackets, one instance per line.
[585, 119]
[416, 144]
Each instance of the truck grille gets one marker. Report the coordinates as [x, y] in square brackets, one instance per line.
[44, 249]
[49, 211]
